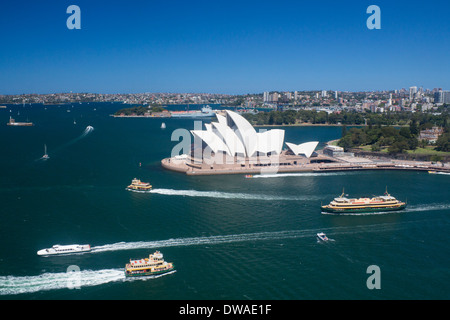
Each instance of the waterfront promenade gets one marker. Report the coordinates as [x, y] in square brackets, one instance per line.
[321, 164]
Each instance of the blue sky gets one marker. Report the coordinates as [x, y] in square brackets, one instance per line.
[216, 46]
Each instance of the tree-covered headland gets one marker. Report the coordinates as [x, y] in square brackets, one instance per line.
[139, 111]
[390, 132]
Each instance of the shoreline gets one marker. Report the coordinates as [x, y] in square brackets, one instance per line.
[354, 164]
[136, 116]
[306, 124]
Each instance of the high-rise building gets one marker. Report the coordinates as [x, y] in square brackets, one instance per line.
[288, 95]
[442, 96]
[266, 96]
[421, 90]
[412, 92]
[389, 103]
[274, 97]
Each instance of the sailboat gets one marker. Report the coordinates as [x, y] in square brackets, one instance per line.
[45, 156]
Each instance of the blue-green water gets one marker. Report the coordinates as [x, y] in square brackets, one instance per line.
[229, 237]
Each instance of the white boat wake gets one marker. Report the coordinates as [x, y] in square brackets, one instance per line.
[229, 195]
[428, 207]
[244, 237]
[444, 173]
[88, 130]
[12, 285]
[85, 133]
[179, 242]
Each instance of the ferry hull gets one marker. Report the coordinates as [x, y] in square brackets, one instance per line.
[196, 115]
[46, 254]
[20, 124]
[363, 210]
[139, 190]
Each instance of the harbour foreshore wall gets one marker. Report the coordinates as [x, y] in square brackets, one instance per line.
[179, 166]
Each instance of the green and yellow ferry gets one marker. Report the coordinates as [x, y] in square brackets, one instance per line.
[382, 203]
[153, 265]
[139, 186]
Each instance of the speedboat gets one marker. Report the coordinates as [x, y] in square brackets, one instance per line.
[322, 236]
[58, 249]
[248, 176]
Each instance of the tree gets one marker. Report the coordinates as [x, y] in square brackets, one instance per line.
[344, 130]
[398, 147]
[443, 142]
[405, 132]
[345, 142]
[375, 147]
[413, 127]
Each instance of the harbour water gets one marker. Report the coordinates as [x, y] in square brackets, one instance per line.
[229, 237]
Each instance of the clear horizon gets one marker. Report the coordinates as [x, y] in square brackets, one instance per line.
[222, 47]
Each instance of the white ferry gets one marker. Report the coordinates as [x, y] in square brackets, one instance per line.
[58, 249]
[205, 112]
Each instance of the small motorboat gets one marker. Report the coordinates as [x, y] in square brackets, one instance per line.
[248, 176]
[322, 236]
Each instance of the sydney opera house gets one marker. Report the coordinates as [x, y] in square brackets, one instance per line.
[232, 145]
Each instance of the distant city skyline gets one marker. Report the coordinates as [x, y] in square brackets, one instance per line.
[224, 47]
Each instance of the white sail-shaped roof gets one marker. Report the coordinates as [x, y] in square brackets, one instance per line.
[304, 148]
[221, 119]
[230, 138]
[234, 135]
[212, 140]
[270, 141]
[244, 130]
[208, 126]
